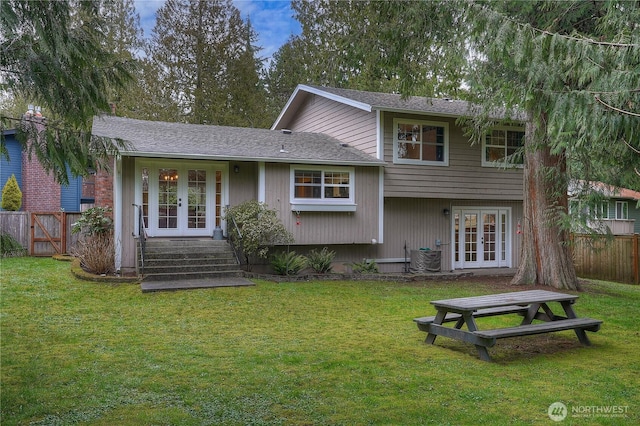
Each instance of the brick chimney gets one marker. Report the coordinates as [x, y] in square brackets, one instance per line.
[40, 192]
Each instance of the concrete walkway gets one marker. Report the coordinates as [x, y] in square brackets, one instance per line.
[170, 285]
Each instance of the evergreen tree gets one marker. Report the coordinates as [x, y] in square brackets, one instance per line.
[11, 195]
[124, 38]
[51, 53]
[247, 95]
[286, 70]
[203, 50]
[574, 68]
[381, 46]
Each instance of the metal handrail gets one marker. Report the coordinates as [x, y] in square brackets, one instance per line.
[142, 236]
[235, 246]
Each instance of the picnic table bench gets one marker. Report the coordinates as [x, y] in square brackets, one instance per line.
[531, 305]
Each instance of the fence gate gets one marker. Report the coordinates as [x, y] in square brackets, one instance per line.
[48, 233]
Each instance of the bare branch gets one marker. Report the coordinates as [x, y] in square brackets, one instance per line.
[632, 148]
[588, 40]
[621, 111]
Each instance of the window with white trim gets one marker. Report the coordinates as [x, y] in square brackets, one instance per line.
[322, 189]
[602, 210]
[502, 146]
[596, 211]
[622, 210]
[421, 142]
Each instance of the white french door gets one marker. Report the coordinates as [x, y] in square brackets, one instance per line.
[180, 199]
[482, 238]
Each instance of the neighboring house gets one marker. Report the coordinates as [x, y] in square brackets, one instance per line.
[40, 191]
[619, 212]
[369, 175]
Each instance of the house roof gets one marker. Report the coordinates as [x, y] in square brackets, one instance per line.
[195, 141]
[371, 101]
[605, 189]
[616, 192]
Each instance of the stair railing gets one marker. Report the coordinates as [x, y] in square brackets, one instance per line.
[142, 236]
[235, 240]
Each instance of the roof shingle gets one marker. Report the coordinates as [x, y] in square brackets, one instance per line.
[179, 140]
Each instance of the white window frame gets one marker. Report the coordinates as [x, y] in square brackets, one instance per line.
[622, 210]
[396, 142]
[323, 204]
[500, 163]
[603, 210]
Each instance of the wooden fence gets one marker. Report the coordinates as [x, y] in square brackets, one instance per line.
[16, 224]
[615, 260]
[42, 234]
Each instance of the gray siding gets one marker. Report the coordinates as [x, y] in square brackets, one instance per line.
[322, 228]
[243, 186]
[418, 223]
[129, 215]
[464, 177]
[344, 122]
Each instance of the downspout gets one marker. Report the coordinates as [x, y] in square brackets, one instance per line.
[380, 156]
[381, 205]
[262, 187]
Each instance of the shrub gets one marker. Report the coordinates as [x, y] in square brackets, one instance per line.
[320, 261]
[364, 267]
[96, 253]
[11, 195]
[96, 249]
[260, 229]
[10, 247]
[94, 221]
[288, 263]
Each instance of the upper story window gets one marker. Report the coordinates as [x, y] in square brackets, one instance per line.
[622, 210]
[502, 147]
[421, 142]
[322, 189]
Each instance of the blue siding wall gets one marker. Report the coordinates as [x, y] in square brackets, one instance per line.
[14, 165]
[70, 195]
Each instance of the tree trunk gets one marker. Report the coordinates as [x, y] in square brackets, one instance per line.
[546, 257]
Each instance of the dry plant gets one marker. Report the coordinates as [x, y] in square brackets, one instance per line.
[96, 253]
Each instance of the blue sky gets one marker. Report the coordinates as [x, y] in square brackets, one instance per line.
[271, 19]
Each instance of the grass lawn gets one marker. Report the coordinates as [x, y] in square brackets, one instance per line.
[314, 353]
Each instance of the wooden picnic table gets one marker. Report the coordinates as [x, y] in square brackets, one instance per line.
[532, 305]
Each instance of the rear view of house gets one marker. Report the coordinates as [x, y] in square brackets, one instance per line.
[369, 175]
[437, 191]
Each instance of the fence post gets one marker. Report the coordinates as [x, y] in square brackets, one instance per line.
[636, 268]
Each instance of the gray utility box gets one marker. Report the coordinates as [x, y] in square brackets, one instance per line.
[426, 260]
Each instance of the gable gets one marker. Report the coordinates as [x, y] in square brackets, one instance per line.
[353, 126]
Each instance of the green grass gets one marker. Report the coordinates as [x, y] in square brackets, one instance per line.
[315, 353]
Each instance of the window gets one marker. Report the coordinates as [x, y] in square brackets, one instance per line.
[502, 147]
[322, 189]
[597, 211]
[603, 211]
[421, 142]
[622, 210]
